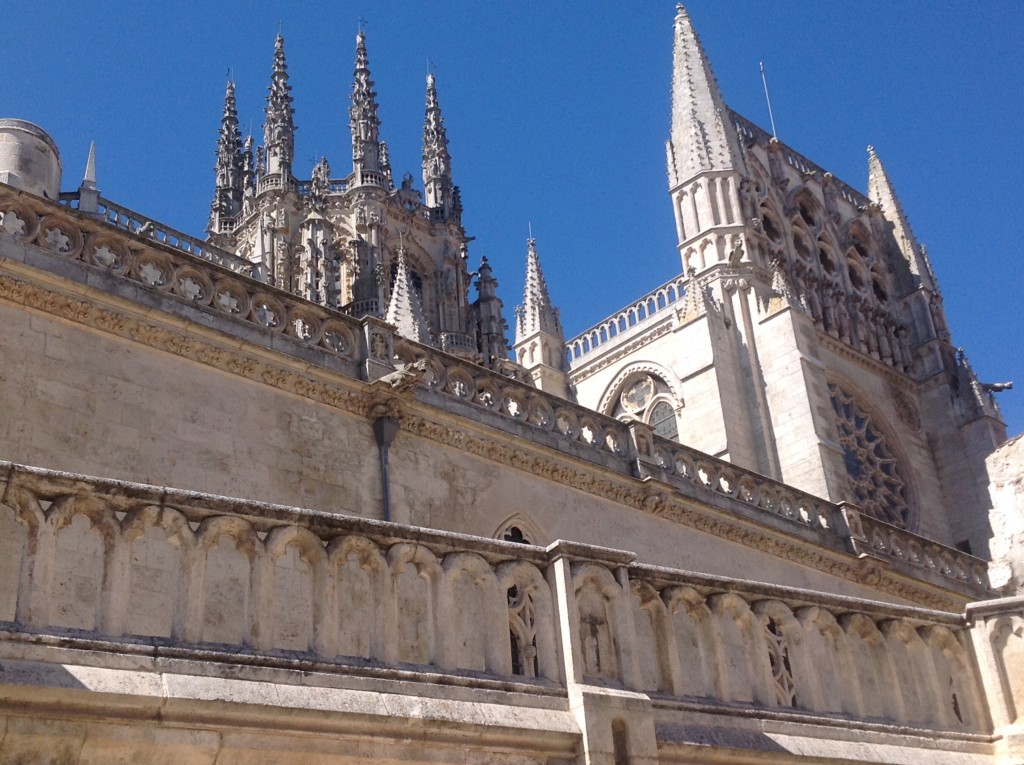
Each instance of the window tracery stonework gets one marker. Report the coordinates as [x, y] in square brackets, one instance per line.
[876, 479]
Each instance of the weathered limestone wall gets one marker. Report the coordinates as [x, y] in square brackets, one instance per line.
[88, 402]
[1006, 516]
[153, 615]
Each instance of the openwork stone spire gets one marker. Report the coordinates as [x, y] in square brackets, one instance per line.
[702, 140]
[230, 167]
[536, 314]
[437, 162]
[405, 310]
[364, 122]
[279, 127]
[882, 193]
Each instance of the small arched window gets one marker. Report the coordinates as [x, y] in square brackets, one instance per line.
[663, 421]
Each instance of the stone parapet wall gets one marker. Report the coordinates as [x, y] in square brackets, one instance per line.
[118, 568]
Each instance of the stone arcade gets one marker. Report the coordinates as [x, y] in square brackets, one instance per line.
[282, 496]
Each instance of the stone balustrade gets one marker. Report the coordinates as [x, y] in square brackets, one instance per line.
[620, 323]
[140, 225]
[121, 567]
[629, 450]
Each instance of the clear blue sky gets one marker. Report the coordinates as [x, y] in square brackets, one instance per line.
[557, 115]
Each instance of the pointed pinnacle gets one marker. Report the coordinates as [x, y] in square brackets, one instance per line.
[89, 180]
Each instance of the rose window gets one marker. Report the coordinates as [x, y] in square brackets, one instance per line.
[876, 479]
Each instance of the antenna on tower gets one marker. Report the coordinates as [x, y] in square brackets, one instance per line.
[771, 117]
[529, 227]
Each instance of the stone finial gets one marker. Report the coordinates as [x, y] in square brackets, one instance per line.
[702, 139]
[537, 313]
[405, 309]
[279, 127]
[437, 170]
[364, 122]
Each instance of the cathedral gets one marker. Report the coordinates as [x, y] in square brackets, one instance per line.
[296, 492]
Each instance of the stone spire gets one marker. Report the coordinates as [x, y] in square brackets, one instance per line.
[279, 127]
[536, 314]
[702, 139]
[540, 344]
[437, 162]
[492, 343]
[405, 310]
[881, 192]
[230, 167]
[364, 122]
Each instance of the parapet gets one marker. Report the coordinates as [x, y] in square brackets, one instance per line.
[29, 159]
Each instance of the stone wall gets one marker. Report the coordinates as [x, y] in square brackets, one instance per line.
[98, 571]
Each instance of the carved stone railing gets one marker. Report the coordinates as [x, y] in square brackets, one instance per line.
[628, 319]
[870, 536]
[138, 224]
[176, 271]
[750, 131]
[126, 567]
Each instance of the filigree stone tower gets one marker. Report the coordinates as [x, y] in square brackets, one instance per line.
[811, 345]
[337, 241]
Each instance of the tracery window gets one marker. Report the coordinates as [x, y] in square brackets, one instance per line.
[648, 398]
[876, 479]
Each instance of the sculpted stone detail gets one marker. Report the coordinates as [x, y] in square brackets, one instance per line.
[876, 477]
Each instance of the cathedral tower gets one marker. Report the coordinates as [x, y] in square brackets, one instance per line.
[358, 244]
[811, 345]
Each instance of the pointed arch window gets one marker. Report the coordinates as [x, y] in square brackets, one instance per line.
[648, 398]
[663, 420]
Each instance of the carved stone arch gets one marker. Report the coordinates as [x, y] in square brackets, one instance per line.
[227, 598]
[774, 222]
[913, 671]
[237, 529]
[661, 373]
[958, 688]
[856, 237]
[531, 617]
[872, 667]
[696, 643]
[898, 483]
[359, 620]
[77, 569]
[308, 543]
[157, 584]
[416, 577]
[741, 673]
[474, 632]
[530, 532]
[655, 642]
[804, 206]
[825, 646]
[167, 518]
[827, 254]
[100, 515]
[27, 509]
[599, 601]
[293, 600]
